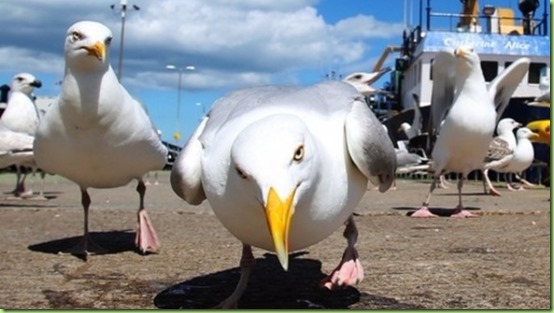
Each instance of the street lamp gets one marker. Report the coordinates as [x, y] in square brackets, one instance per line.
[123, 9]
[180, 70]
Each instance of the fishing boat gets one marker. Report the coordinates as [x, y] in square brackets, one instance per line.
[499, 35]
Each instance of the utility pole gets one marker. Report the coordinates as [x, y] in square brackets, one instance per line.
[123, 11]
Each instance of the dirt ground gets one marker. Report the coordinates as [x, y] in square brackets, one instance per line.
[500, 260]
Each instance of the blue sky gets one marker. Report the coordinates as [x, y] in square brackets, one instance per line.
[231, 43]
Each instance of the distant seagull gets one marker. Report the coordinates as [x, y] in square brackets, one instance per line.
[362, 81]
[501, 151]
[467, 110]
[284, 167]
[21, 116]
[96, 134]
[522, 157]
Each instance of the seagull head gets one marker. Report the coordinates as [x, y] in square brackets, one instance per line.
[507, 125]
[87, 43]
[542, 129]
[275, 161]
[25, 83]
[468, 55]
[362, 82]
[526, 133]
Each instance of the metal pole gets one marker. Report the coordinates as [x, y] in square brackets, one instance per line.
[428, 15]
[120, 65]
[545, 19]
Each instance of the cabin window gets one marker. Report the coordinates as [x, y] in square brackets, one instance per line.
[534, 76]
[490, 70]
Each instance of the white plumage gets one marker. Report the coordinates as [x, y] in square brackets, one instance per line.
[96, 134]
[21, 116]
[296, 159]
[500, 152]
[464, 114]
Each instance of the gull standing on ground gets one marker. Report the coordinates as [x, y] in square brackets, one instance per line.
[467, 110]
[21, 116]
[96, 134]
[284, 167]
[501, 150]
[521, 158]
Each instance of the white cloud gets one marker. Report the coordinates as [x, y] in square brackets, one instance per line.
[231, 42]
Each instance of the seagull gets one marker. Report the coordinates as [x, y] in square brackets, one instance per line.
[284, 167]
[362, 81]
[500, 152]
[96, 134]
[22, 116]
[522, 156]
[413, 130]
[467, 109]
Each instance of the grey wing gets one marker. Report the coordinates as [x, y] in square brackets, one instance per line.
[503, 86]
[369, 146]
[186, 174]
[498, 149]
[442, 94]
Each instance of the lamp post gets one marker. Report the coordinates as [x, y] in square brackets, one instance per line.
[180, 70]
[123, 10]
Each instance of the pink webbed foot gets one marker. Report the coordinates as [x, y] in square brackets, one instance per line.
[423, 212]
[494, 192]
[461, 213]
[146, 239]
[349, 272]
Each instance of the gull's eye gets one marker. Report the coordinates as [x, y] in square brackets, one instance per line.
[299, 153]
[108, 41]
[240, 173]
[76, 36]
[19, 79]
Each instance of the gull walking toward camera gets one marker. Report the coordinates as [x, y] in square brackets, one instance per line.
[96, 134]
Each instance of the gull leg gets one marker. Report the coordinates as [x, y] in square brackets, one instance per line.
[247, 263]
[156, 182]
[146, 239]
[487, 182]
[510, 184]
[525, 182]
[459, 211]
[86, 245]
[349, 272]
[423, 211]
[443, 183]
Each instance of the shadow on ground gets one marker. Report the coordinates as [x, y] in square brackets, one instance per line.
[444, 212]
[270, 287]
[112, 241]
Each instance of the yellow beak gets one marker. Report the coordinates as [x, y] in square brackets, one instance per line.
[98, 50]
[279, 214]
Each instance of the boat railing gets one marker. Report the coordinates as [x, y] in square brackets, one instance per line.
[484, 24]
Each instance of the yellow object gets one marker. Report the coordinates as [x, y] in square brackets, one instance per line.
[542, 128]
[176, 136]
[506, 21]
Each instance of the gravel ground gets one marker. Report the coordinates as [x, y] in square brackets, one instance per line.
[500, 260]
